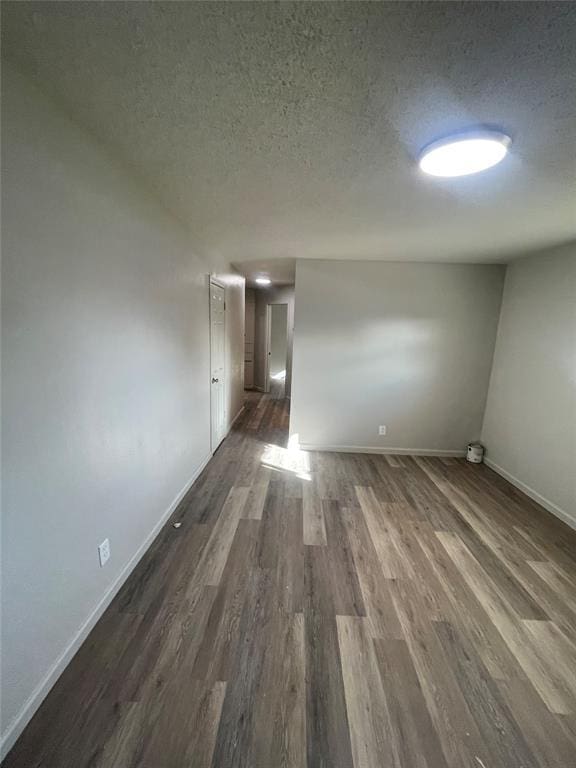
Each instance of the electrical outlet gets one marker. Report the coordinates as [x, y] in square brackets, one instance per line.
[104, 552]
[382, 429]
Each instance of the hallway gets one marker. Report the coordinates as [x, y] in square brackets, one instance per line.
[329, 610]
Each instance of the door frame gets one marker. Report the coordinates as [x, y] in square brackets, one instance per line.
[267, 350]
[214, 281]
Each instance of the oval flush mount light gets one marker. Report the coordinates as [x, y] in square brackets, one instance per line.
[464, 153]
[263, 280]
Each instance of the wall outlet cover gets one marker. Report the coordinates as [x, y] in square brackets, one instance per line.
[104, 552]
[382, 429]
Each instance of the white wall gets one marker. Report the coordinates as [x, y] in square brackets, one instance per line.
[105, 389]
[530, 423]
[406, 345]
[264, 296]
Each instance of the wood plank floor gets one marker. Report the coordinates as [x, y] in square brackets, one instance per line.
[329, 611]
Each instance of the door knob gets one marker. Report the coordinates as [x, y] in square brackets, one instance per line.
[214, 381]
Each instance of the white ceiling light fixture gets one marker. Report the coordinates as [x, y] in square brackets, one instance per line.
[464, 153]
[263, 280]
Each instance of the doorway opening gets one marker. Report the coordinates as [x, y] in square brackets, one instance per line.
[277, 348]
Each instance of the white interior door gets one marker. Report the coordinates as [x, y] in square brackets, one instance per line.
[217, 368]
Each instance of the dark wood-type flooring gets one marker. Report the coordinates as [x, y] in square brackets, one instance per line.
[329, 610]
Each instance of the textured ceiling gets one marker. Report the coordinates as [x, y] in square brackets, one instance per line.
[280, 130]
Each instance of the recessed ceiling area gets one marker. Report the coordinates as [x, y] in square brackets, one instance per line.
[279, 271]
[292, 130]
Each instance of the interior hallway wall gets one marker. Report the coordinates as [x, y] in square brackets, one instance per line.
[530, 422]
[105, 388]
[265, 296]
[405, 345]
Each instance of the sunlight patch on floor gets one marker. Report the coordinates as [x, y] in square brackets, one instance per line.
[290, 459]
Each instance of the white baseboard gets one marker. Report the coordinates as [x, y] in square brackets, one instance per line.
[16, 727]
[379, 449]
[542, 500]
[235, 419]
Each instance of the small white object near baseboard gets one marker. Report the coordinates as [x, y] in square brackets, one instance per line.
[542, 500]
[16, 727]
[380, 449]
